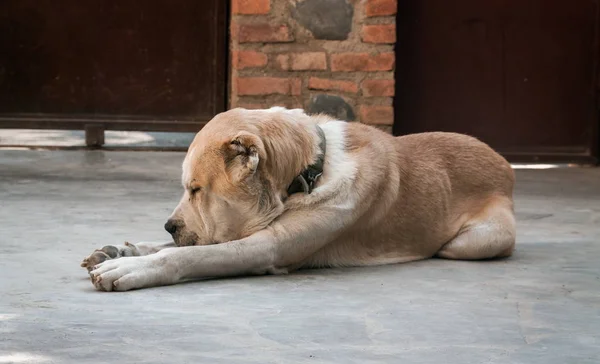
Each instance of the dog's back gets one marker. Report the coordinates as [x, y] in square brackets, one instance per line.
[471, 166]
[423, 190]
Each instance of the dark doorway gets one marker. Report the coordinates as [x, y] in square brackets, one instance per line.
[520, 75]
[122, 65]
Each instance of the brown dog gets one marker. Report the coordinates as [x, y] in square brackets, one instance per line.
[271, 191]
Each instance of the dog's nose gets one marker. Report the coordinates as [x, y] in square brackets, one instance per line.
[171, 226]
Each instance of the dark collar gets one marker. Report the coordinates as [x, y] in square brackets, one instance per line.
[305, 181]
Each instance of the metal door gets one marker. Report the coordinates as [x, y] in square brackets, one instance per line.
[121, 65]
[518, 74]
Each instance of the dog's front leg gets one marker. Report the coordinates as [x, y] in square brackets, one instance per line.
[109, 252]
[288, 241]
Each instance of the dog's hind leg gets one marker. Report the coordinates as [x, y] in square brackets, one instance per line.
[490, 234]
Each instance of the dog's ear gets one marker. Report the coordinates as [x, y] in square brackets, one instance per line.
[243, 154]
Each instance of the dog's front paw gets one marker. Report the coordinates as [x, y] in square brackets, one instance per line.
[131, 273]
[108, 252]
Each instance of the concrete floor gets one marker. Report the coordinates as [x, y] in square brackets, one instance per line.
[541, 306]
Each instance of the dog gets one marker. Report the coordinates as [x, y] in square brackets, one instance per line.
[275, 190]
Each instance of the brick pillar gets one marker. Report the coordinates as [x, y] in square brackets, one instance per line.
[282, 55]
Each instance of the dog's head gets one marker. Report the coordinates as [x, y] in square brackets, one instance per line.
[228, 193]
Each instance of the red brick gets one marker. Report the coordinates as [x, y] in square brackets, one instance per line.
[385, 33]
[248, 59]
[283, 62]
[362, 62]
[377, 88]
[315, 83]
[263, 33]
[308, 61]
[233, 30]
[295, 86]
[267, 86]
[302, 61]
[381, 7]
[377, 115]
[250, 6]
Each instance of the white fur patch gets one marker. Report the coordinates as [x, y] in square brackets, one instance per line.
[340, 168]
[339, 171]
[277, 109]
